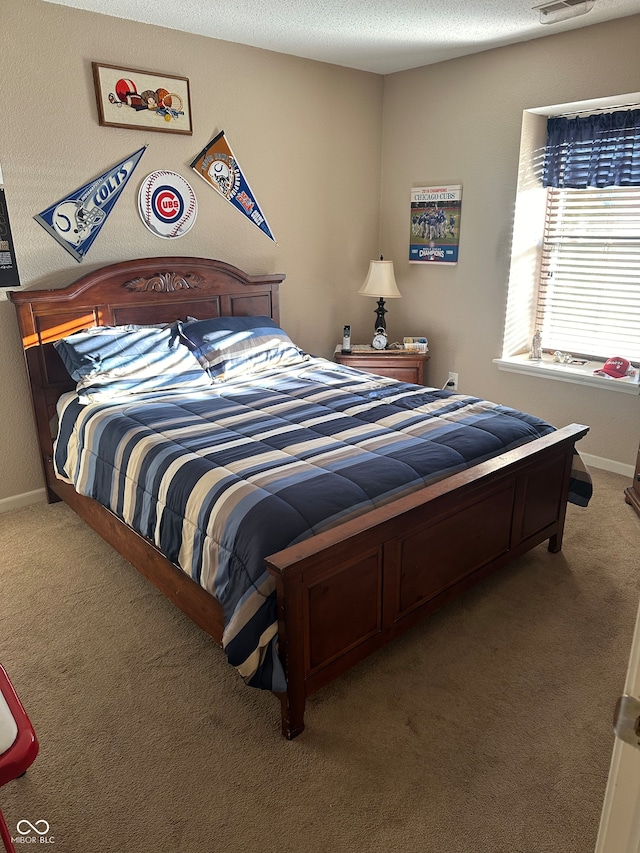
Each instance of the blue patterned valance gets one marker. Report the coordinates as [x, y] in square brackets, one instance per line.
[593, 151]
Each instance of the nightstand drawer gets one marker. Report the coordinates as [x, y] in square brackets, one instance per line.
[394, 364]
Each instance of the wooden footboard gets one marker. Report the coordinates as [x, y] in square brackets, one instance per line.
[347, 592]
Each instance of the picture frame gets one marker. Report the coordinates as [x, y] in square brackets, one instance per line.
[142, 100]
[434, 236]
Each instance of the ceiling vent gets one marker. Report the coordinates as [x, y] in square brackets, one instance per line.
[561, 10]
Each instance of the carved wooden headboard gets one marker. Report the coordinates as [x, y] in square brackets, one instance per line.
[147, 290]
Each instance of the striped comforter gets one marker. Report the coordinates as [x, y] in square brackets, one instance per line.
[218, 479]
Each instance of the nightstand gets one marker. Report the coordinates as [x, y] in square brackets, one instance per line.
[406, 365]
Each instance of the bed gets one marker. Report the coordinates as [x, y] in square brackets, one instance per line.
[352, 579]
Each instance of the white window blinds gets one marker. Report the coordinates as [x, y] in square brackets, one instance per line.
[589, 289]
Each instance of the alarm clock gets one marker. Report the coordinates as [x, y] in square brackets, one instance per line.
[380, 339]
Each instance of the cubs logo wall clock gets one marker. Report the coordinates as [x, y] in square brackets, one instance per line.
[167, 204]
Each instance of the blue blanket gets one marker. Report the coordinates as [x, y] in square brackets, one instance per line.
[218, 479]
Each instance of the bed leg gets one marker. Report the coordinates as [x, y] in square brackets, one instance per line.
[52, 497]
[292, 713]
[555, 543]
[49, 477]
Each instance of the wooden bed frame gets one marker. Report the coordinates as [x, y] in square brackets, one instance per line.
[346, 592]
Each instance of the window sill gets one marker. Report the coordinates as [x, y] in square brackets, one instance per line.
[576, 373]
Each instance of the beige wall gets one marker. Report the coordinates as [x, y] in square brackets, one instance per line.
[310, 138]
[307, 135]
[459, 122]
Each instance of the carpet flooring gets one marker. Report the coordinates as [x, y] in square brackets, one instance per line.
[487, 729]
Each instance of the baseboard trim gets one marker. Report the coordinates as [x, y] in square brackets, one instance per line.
[608, 464]
[25, 499]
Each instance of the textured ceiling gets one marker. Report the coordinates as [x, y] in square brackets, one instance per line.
[382, 36]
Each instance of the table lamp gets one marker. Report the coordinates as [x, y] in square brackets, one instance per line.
[380, 283]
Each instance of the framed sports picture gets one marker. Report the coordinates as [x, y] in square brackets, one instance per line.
[434, 236]
[142, 100]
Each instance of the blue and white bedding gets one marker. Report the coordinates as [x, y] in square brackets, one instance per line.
[221, 476]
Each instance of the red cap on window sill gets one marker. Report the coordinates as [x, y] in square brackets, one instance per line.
[615, 367]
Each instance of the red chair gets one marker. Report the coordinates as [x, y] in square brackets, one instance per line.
[18, 744]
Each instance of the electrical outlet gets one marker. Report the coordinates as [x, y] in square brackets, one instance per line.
[452, 382]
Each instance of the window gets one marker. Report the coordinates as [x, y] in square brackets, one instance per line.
[575, 263]
[589, 289]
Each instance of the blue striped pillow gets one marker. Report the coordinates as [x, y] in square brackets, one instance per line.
[110, 361]
[232, 347]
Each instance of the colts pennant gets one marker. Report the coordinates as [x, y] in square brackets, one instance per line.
[216, 164]
[75, 221]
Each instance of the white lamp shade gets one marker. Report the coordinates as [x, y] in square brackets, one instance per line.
[380, 281]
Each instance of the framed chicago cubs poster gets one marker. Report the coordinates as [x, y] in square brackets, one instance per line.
[435, 224]
[142, 100]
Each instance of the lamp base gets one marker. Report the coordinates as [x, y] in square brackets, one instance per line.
[380, 312]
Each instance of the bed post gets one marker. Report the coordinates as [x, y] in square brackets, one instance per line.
[292, 715]
[555, 541]
[291, 646]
